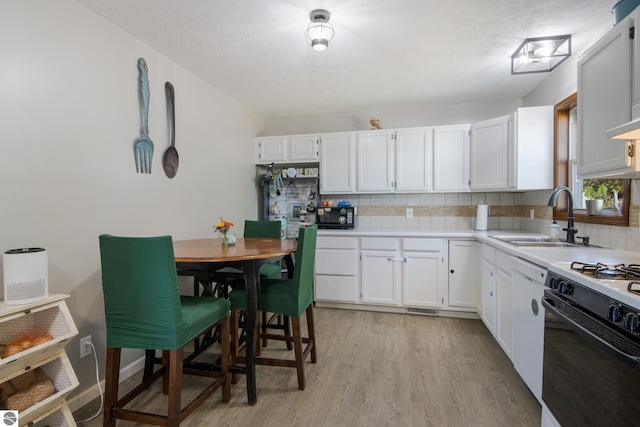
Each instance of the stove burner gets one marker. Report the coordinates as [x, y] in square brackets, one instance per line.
[604, 271]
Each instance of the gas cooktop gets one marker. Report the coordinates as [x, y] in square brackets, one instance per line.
[613, 279]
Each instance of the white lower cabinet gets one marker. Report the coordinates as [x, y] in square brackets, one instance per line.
[504, 316]
[496, 310]
[419, 274]
[488, 313]
[337, 269]
[424, 273]
[381, 270]
[463, 274]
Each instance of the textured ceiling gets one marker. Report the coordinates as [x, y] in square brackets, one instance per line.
[386, 53]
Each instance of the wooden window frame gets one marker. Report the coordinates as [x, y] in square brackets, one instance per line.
[561, 171]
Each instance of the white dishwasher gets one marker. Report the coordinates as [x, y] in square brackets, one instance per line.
[528, 323]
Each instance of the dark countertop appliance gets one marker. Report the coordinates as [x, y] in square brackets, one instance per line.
[337, 218]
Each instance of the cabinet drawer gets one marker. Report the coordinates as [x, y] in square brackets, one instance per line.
[332, 242]
[337, 288]
[428, 245]
[379, 243]
[505, 263]
[336, 262]
[30, 324]
[58, 369]
[489, 254]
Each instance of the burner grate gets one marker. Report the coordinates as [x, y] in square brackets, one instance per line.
[607, 271]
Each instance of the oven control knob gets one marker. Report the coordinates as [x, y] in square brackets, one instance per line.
[565, 288]
[553, 283]
[343, 211]
[631, 322]
[614, 313]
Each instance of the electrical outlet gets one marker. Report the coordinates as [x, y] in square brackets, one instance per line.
[409, 212]
[85, 346]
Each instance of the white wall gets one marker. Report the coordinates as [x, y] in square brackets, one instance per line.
[69, 114]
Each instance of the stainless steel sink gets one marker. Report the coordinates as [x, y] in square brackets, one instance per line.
[539, 241]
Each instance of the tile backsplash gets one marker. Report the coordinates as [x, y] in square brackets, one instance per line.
[457, 211]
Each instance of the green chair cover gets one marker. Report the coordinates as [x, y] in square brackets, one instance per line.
[268, 229]
[290, 297]
[143, 306]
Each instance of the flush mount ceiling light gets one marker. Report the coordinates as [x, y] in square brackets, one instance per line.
[319, 32]
[541, 54]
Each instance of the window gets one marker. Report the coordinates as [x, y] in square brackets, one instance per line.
[614, 209]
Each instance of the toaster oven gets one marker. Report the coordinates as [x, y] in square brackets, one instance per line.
[337, 218]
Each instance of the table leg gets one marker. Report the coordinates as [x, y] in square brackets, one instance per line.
[252, 284]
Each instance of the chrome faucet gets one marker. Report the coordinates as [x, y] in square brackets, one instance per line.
[571, 229]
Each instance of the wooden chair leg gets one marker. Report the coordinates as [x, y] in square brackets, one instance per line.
[175, 386]
[235, 343]
[112, 378]
[224, 362]
[311, 329]
[167, 371]
[297, 348]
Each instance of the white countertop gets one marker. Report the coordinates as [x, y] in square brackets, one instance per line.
[543, 257]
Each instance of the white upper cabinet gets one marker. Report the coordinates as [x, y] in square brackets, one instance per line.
[395, 160]
[489, 154]
[451, 158]
[338, 163]
[414, 159]
[604, 102]
[513, 152]
[375, 161]
[530, 163]
[286, 149]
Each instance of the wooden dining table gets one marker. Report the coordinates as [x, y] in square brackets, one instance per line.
[203, 257]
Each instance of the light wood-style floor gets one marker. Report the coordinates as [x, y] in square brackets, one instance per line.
[376, 369]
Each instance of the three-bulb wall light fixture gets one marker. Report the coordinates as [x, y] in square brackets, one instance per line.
[319, 32]
[541, 54]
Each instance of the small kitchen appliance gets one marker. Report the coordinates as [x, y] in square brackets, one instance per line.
[26, 275]
[337, 218]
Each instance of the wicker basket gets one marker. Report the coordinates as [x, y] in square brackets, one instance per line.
[52, 319]
[59, 416]
[59, 370]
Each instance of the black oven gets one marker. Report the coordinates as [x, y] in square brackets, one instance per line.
[337, 218]
[591, 369]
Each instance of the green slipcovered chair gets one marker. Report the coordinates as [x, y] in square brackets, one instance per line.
[143, 310]
[289, 297]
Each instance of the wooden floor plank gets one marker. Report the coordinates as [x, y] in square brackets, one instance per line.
[375, 369]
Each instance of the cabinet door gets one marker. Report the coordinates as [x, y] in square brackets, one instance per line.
[270, 149]
[488, 313]
[303, 148]
[414, 159]
[421, 279]
[489, 154]
[375, 161]
[451, 158]
[380, 277]
[604, 93]
[503, 312]
[337, 163]
[531, 148]
[463, 274]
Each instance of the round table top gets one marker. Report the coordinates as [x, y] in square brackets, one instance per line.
[211, 250]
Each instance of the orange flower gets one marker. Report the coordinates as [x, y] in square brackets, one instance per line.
[223, 226]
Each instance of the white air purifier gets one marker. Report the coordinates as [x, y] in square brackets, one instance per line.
[26, 275]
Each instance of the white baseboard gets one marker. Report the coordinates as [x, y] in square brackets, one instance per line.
[81, 399]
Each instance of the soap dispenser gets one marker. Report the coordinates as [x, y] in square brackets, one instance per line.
[554, 230]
